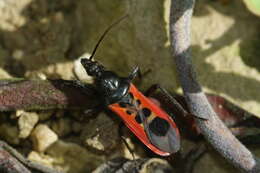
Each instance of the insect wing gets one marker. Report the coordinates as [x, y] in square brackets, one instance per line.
[136, 128]
[161, 130]
[150, 124]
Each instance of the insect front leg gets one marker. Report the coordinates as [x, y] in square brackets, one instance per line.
[137, 73]
[91, 112]
[87, 89]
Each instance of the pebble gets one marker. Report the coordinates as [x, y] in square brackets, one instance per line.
[101, 134]
[43, 137]
[26, 122]
[80, 71]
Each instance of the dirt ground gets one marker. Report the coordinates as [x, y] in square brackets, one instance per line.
[43, 39]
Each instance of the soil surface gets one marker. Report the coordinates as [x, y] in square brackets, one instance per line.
[43, 39]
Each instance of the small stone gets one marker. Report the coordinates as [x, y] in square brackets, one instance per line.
[43, 137]
[42, 76]
[94, 142]
[73, 158]
[80, 71]
[120, 164]
[18, 54]
[18, 113]
[101, 134]
[4, 74]
[156, 165]
[26, 122]
[41, 158]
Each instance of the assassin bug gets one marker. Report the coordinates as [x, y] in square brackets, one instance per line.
[152, 125]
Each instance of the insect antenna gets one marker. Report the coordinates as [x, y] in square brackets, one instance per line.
[104, 34]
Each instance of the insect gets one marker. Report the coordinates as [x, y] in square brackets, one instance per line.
[152, 125]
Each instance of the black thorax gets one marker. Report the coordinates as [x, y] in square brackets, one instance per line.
[110, 86]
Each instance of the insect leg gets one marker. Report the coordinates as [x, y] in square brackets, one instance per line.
[137, 73]
[87, 89]
[168, 97]
[250, 122]
[120, 132]
[253, 140]
[192, 157]
[92, 112]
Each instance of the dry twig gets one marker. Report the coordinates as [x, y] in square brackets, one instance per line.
[12, 161]
[42, 95]
[208, 122]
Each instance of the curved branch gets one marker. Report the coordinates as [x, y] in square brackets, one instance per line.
[210, 125]
[11, 161]
[10, 164]
[47, 94]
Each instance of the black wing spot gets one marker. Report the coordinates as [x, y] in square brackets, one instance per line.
[159, 126]
[146, 112]
[138, 119]
[138, 102]
[129, 112]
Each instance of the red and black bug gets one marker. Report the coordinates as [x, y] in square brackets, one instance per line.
[152, 125]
